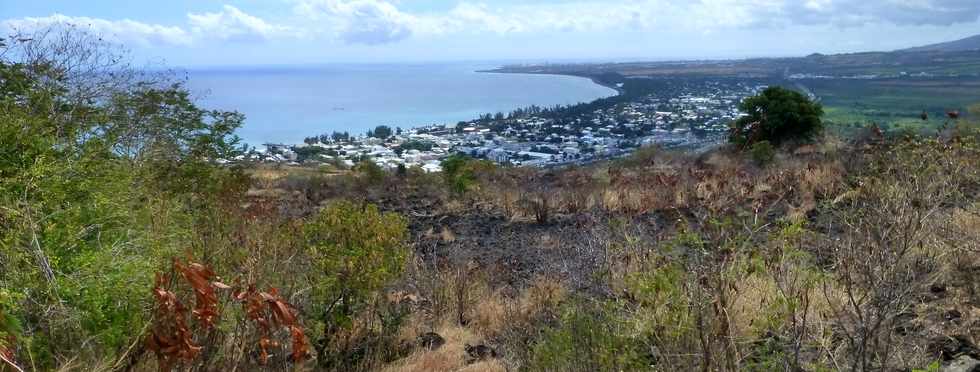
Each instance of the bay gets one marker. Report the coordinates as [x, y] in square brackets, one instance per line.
[288, 104]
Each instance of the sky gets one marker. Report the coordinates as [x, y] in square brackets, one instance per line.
[284, 32]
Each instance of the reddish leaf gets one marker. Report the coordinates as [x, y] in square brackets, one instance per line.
[206, 302]
[301, 348]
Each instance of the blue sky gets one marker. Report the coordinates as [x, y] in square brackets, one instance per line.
[253, 32]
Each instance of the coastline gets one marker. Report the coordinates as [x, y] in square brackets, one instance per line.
[595, 80]
[271, 117]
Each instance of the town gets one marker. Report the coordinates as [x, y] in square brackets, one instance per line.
[681, 114]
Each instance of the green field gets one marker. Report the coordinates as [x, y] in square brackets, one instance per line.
[894, 103]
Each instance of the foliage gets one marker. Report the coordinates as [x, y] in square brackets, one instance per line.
[589, 337]
[175, 341]
[762, 153]
[932, 367]
[777, 115]
[460, 172]
[102, 171]
[312, 153]
[381, 131]
[661, 293]
[268, 312]
[891, 213]
[9, 330]
[355, 250]
[710, 263]
[417, 145]
[371, 171]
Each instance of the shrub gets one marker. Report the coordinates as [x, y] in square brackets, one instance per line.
[356, 250]
[762, 153]
[460, 172]
[9, 328]
[371, 171]
[588, 338]
[176, 341]
[777, 115]
[889, 252]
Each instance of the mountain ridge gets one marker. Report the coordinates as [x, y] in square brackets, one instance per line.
[964, 44]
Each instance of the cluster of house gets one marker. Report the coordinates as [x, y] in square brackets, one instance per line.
[689, 119]
[348, 153]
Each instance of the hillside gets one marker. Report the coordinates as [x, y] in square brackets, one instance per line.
[681, 261]
[129, 243]
[966, 44]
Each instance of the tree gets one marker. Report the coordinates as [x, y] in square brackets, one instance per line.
[417, 145]
[777, 115]
[340, 136]
[381, 131]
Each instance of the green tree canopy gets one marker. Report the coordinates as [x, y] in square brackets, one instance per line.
[777, 115]
[381, 131]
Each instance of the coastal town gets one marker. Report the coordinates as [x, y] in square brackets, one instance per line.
[688, 115]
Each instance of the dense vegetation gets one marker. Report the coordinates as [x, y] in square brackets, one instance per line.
[126, 245]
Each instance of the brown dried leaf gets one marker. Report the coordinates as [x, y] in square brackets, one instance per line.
[206, 302]
[301, 348]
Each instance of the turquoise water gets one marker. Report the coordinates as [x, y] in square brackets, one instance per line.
[287, 104]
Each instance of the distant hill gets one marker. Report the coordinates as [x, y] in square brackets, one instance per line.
[967, 44]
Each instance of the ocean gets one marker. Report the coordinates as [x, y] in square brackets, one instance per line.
[288, 104]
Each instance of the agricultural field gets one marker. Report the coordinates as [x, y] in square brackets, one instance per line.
[895, 103]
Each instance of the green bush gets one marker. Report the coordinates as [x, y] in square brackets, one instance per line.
[777, 115]
[371, 171]
[460, 172]
[355, 250]
[589, 337]
[455, 174]
[762, 153]
[10, 327]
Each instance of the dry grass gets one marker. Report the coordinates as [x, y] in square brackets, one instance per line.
[655, 199]
[495, 313]
[753, 307]
[544, 294]
[491, 314]
[450, 357]
[758, 306]
[272, 176]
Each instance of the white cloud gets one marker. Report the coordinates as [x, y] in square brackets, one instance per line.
[381, 21]
[360, 21]
[228, 24]
[901, 12]
[233, 24]
[127, 31]
[375, 22]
